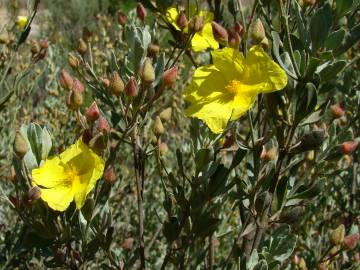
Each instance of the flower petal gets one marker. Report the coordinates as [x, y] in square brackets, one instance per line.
[215, 114]
[58, 198]
[262, 72]
[230, 62]
[204, 39]
[207, 83]
[51, 174]
[171, 16]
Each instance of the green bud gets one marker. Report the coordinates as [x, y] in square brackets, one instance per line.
[257, 31]
[147, 72]
[20, 146]
[337, 236]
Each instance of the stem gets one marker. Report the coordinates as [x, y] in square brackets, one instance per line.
[285, 20]
[211, 253]
[139, 175]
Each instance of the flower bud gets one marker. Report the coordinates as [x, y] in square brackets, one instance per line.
[128, 243]
[86, 34]
[220, 33]
[131, 88]
[75, 100]
[82, 47]
[92, 113]
[35, 47]
[147, 73]
[86, 136]
[73, 61]
[322, 266]
[270, 154]
[295, 260]
[20, 145]
[309, 141]
[141, 12]
[109, 175]
[265, 43]
[98, 143]
[153, 50]
[165, 115]
[182, 20]
[257, 31]
[350, 241]
[337, 110]
[78, 86]
[238, 28]
[234, 40]
[66, 81]
[163, 148]
[169, 76]
[121, 18]
[158, 127]
[337, 236]
[196, 24]
[44, 44]
[302, 264]
[34, 193]
[309, 2]
[348, 147]
[103, 125]
[116, 84]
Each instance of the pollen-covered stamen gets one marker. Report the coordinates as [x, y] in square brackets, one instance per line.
[233, 86]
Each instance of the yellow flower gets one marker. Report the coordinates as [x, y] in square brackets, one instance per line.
[203, 39]
[21, 21]
[69, 176]
[224, 91]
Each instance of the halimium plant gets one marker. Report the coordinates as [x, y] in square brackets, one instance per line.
[201, 135]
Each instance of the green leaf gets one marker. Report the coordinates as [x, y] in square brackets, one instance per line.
[171, 229]
[159, 69]
[282, 244]
[330, 71]
[334, 39]
[306, 101]
[261, 265]
[238, 157]
[343, 7]
[308, 193]
[281, 190]
[350, 39]
[302, 27]
[253, 260]
[320, 26]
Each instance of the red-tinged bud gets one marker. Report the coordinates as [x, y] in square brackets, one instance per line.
[82, 47]
[229, 141]
[86, 34]
[153, 50]
[169, 76]
[322, 266]
[92, 113]
[238, 28]
[44, 44]
[220, 33]
[163, 148]
[66, 80]
[34, 194]
[182, 20]
[128, 243]
[103, 125]
[75, 100]
[86, 136]
[349, 147]
[109, 175]
[234, 40]
[105, 82]
[295, 260]
[121, 18]
[196, 24]
[350, 241]
[309, 2]
[131, 88]
[337, 110]
[78, 86]
[141, 12]
[73, 61]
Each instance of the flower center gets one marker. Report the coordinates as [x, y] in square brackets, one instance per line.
[233, 86]
[72, 174]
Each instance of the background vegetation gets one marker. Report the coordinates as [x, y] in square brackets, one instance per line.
[277, 190]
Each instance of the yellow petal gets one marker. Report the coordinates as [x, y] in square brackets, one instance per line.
[207, 16]
[58, 198]
[230, 62]
[262, 72]
[21, 21]
[207, 83]
[51, 174]
[204, 39]
[171, 16]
